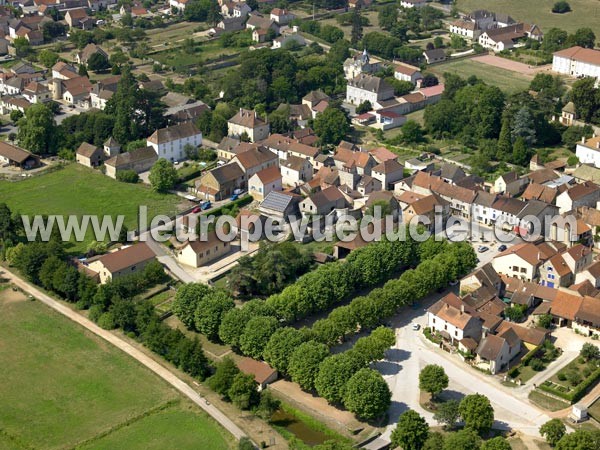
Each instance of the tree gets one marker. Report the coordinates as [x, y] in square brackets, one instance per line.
[411, 432]
[545, 321]
[245, 443]
[186, 301]
[364, 107]
[304, 363]
[37, 130]
[128, 176]
[429, 80]
[584, 96]
[561, 7]
[584, 37]
[477, 412]
[243, 391]
[15, 115]
[447, 413]
[281, 346]
[223, 377]
[267, 405]
[523, 127]
[47, 57]
[367, 394]
[553, 431]
[357, 27]
[555, 39]
[433, 379]
[98, 62]
[589, 351]
[464, 439]
[163, 176]
[497, 443]
[331, 126]
[580, 440]
[257, 334]
[22, 46]
[210, 311]
[521, 155]
[435, 441]
[388, 16]
[334, 373]
[412, 133]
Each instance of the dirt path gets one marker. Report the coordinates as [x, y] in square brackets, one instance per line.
[513, 66]
[155, 367]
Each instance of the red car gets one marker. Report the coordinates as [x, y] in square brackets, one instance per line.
[196, 210]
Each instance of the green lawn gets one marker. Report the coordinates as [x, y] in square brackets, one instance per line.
[157, 432]
[77, 190]
[594, 410]
[62, 386]
[506, 80]
[585, 13]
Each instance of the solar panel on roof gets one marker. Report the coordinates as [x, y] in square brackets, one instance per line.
[276, 201]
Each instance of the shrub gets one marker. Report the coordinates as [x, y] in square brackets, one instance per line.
[537, 364]
[574, 378]
[128, 176]
[561, 7]
[561, 376]
[107, 321]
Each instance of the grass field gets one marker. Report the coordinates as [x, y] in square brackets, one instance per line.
[77, 190]
[585, 13]
[62, 386]
[506, 80]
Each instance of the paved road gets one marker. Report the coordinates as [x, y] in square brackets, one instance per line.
[155, 367]
[412, 352]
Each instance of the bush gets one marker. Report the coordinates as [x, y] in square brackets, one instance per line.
[537, 364]
[107, 321]
[561, 376]
[574, 378]
[128, 176]
[514, 372]
[561, 7]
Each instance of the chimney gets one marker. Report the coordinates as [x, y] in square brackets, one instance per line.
[462, 308]
[583, 139]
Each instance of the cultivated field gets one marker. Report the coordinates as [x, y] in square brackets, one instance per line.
[506, 80]
[62, 386]
[78, 190]
[586, 13]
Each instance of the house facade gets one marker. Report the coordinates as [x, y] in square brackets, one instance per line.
[170, 142]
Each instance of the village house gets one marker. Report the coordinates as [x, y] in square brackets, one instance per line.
[249, 123]
[17, 157]
[170, 142]
[295, 170]
[521, 260]
[434, 55]
[590, 273]
[220, 182]
[465, 28]
[139, 160]
[449, 318]
[84, 55]
[126, 261]
[583, 194]
[263, 373]
[200, 252]
[254, 160]
[178, 4]
[495, 352]
[78, 18]
[282, 16]
[360, 64]
[406, 72]
[36, 92]
[63, 71]
[89, 155]
[577, 62]
[510, 183]
[426, 208]
[505, 38]
[413, 3]
[546, 194]
[281, 206]
[263, 182]
[588, 151]
[323, 202]
[369, 88]
[387, 173]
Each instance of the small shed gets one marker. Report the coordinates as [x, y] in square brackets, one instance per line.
[262, 372]
[579, 413]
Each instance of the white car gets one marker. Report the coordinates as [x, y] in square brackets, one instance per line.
[416, 326]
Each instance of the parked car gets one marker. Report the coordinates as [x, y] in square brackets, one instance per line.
[233, 197]
[206, 205]
[416, 326]
[482, 249]
[502, 247]
[196, 210]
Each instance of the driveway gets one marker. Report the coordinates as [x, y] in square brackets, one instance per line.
[412, 352]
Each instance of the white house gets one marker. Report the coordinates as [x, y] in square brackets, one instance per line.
[583, 194]
[282, 16]
[577, 62]
[263, 182]
[169, 142]
[588, 151]
[178, 4]
[448, 317]
[406, 72]
[465, 28]
[368, 88]
[296, 170]
[413, 3]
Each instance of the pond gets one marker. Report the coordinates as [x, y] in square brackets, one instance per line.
[298, 428]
